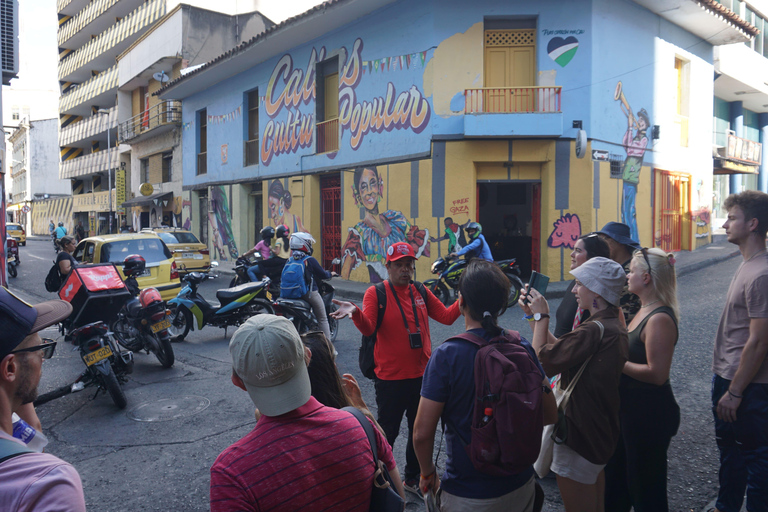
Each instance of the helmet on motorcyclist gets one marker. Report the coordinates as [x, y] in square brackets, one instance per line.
[302, 242]
[133, 264]
[475, 229]
[267, 233]
[282, 231]
[149, 296]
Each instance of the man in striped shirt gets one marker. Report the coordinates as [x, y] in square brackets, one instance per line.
[301, 455]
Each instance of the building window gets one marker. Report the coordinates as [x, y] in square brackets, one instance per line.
[682, 79]
[167, 164]
[25, 112]
[252, 129]
[15, 113]
[328, 107]
[202, 141]
[144, 166]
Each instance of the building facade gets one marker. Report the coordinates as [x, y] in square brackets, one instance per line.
[366, 122]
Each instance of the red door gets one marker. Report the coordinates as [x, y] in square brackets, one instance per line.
[330, 213]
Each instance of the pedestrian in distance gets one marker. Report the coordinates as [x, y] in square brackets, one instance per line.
[740, 366]
[80, 231]
[636, 475]
[60, 231]
[403, 345]
[622, 246]
[51, 228]
[597, 348]
[569, 315]
[29, 481]
[301, 455]
[448, 394]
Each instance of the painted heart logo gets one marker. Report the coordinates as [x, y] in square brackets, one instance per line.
[562, 50]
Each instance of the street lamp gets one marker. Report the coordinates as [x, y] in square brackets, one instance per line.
[109, 169]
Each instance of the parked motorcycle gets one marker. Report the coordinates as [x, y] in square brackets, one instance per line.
[449, 274]
[12, 259]
[106, 365]
[300, 312]
[237, 305]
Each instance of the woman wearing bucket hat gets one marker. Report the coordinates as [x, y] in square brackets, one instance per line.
[592, 414]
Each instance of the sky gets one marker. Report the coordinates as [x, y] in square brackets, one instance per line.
[38, 50]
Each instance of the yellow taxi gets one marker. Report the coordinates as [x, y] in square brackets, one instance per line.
[189, 253]
[16, 231]
[161, 272]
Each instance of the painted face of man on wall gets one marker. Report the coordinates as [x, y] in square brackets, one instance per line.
[368, 188]
[276, 209]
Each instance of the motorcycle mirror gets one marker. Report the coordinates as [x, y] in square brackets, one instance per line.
[214, 264]
[336, 261]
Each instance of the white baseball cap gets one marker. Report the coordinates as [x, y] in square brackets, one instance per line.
[602, 276]
[268, 356]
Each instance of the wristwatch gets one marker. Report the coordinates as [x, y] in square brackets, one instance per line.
[539, 316]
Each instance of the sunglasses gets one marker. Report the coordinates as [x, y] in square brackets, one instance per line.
[48, 347]
[644, 252]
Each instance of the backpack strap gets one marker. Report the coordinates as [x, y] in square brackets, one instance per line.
[360, 417]
[381, 295]
[10, 449]
[422, 290]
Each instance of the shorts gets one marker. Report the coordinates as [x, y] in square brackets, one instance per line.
[569, 464]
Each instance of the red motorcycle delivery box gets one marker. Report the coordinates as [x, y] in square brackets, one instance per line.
[96, 292]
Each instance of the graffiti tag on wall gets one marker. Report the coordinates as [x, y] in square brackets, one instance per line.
[567, 231]
[460, 206]
[290, 89]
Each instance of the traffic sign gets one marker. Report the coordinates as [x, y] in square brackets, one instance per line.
[25, 209]
[600, 155]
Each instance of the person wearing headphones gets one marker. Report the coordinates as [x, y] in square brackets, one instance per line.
[478, 247]
[301, 251]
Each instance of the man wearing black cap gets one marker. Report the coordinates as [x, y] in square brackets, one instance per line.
[30, 481]
[622, 246]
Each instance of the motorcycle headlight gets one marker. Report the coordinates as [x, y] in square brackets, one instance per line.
[434, 268]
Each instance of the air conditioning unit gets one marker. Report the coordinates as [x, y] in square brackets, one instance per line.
[9, 39]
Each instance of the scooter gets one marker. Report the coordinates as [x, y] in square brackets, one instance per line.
[300, 312]
[449, 273]
[242, 264]
[236, 306]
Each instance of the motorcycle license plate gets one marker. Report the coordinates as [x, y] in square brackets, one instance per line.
[161, 325]
[98, 355]
[269, 295]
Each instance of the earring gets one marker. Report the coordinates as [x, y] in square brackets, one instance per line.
[594, 303]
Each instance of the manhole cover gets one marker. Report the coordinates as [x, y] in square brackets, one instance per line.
[169, 409]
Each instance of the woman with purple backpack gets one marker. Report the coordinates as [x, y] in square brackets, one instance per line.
[593, 355]
[448, 393]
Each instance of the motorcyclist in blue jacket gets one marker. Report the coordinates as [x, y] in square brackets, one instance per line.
[478, 247]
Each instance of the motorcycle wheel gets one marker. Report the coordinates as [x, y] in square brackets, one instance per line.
[181, 323]
[260, 308]
[122, 328]
[514, 291]
[333, 324]
[12, 271]
[114, 389]
[441, 292]
[165, 353]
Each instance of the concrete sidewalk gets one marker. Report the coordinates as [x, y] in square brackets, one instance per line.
[686, 262]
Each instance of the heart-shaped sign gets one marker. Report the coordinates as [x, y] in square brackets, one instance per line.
[562, 50]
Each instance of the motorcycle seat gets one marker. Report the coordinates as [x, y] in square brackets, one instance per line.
[293, 302]
[229, 294]
[504, 262]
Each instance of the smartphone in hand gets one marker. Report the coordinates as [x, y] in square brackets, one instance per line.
[539, 282]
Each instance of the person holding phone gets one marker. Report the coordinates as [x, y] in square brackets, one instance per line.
[592, 414]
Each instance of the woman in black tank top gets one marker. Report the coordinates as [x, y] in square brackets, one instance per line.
[649, 416]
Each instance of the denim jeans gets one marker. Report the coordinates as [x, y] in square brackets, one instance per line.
[743, 447]
[254, 272]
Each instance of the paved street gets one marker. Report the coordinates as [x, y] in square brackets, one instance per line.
[164, 465]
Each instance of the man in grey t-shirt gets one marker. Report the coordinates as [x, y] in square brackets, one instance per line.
[740, 383]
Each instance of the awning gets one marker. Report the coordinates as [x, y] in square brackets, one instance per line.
[154, 199]
[726, 166]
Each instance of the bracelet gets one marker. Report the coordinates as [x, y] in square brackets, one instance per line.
[734, 396]
[528, 317]
[429, 476]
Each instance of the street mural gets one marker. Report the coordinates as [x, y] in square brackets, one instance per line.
[562, 50]
[182, 213]
[280, 201]
[289, 89]
[567, 230]
[454, 233]
[222, 223]
[635, 144]
[368, 240]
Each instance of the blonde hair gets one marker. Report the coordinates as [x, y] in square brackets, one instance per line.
[663, 275]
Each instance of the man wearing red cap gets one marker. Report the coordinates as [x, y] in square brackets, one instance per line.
[403, 345]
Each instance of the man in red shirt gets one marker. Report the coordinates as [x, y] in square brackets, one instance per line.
[301, 455]
[403, 346]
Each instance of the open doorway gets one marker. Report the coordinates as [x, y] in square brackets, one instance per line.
[510, 216]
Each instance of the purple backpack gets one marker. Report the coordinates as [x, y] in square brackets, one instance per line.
[509, 383]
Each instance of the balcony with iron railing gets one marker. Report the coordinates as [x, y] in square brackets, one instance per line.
[89, 164]
[87, 128]
[165, 114]
[328, 136]
[114, 39]
[513, 111]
